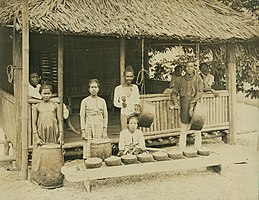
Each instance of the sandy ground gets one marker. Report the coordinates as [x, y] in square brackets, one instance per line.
[237, 181]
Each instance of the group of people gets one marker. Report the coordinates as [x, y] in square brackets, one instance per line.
[47, 126]
[186, 91]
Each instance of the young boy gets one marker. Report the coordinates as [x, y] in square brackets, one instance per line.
[189, 88]
[126, 96]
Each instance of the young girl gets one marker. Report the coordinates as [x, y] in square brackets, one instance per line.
[93, 116]
[46, 127]
[131, 139]
[126, 96]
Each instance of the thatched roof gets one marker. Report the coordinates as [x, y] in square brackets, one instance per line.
[197, 20]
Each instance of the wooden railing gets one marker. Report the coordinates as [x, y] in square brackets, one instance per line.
[167, 122]
[7, 115]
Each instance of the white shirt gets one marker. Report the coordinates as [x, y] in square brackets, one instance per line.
[130, 100]
[34, 91]
[127, 138]
[208, 81]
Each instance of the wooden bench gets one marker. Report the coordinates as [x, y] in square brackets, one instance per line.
[212, 162]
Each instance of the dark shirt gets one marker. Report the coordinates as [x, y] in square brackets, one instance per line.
[189, 88]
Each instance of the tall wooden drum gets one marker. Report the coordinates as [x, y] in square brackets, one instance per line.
[147, 113]
[101, 148]
[46, 170]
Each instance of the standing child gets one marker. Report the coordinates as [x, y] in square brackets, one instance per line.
[34, 93]
[131, 139]
[46, 125]
[93, 116]
[126, 96]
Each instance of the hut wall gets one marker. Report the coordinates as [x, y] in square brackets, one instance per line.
[7, 115]
[6, 58]
[86, 58]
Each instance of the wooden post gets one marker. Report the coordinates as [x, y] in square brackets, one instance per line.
[231, 64]
[198, 55]
[25, 80]
[122, 59]
[143, 91]
[17, 63]
[60, 75]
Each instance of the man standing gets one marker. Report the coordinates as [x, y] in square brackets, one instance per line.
[189, 88]
[126, 96]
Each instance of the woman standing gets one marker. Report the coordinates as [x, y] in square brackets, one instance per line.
[93, 116]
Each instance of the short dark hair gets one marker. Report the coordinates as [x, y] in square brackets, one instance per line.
[204, 64]
[132, 116]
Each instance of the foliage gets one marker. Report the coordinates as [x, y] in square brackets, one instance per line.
[247, 56]
[249, 6]
[162, 62]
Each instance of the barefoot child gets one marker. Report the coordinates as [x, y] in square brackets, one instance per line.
[131, 139]
[46, 125]
[93, 116]
[35, 94]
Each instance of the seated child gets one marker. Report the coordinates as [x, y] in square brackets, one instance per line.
[131, 139]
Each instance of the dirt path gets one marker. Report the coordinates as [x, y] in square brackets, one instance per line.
[238, 181]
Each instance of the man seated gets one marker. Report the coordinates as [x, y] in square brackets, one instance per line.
[208, 79]
[33, 92]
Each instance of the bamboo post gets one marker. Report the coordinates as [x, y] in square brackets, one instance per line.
[60, 75]
[122, 59]
[17, 59]
[25, 78]
[142, 66]
[231, 64]
[198, 55]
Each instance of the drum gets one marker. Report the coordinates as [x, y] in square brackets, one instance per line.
[147, 113]
[199, 116]
[46, 168]
[101, 148]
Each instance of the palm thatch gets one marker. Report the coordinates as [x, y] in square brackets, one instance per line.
[199, 20]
